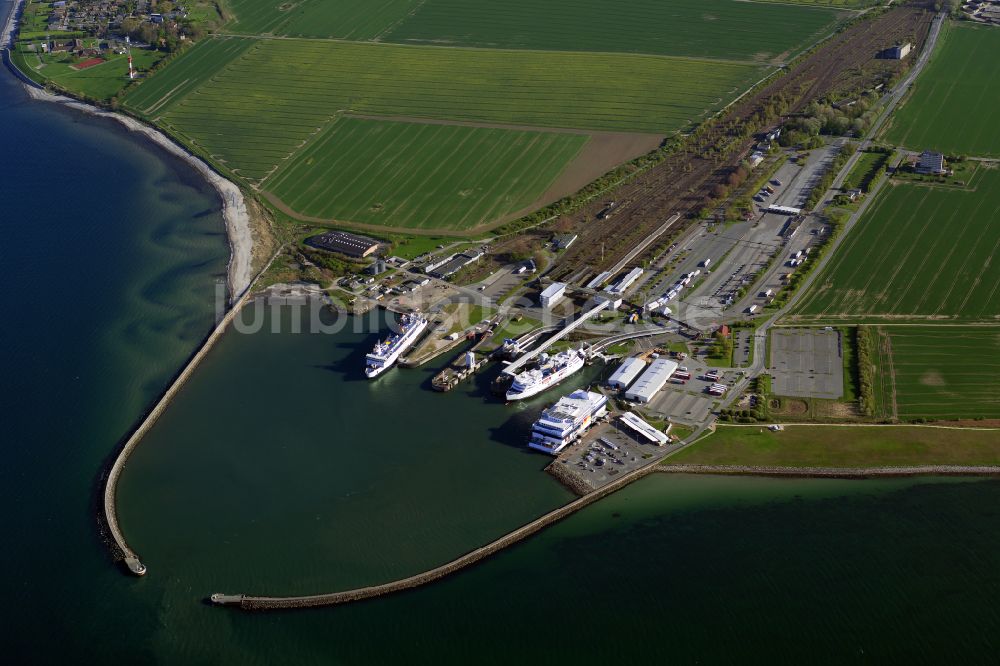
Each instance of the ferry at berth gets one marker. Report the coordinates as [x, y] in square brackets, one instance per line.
[550, 371]
[388, 351]
[564, 422]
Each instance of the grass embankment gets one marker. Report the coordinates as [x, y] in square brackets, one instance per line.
[843, 446]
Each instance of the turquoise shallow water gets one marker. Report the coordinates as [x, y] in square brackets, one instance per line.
[277, 469]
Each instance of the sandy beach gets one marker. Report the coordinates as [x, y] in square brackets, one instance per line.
[234, 209]
[7, 32]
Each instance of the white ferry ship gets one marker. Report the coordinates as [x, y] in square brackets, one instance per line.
[565, 421]
[550, 371]
[387, 351]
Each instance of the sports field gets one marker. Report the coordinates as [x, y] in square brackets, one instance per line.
[101, 80]
[919, 253]
[946, 372]
[953, 108]
[419, 175]
[702, 28]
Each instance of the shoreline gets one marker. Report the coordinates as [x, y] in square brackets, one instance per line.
[239, 270]
[239, 273]
[9, 28]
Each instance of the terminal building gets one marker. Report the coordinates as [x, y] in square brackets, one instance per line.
[652, 380]
[626, 373]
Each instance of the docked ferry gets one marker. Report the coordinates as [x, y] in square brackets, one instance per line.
[387, 351]
[550, 371]
[565, 421]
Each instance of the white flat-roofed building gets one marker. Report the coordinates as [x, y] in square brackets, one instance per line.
[553, 294]
[599, 280]
[626, 282]
[652, 380]
[644, 429]
[626, 373]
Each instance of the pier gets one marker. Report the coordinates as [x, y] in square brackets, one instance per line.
[512, 368]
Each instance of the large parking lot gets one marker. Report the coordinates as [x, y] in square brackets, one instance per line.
[608, 450]
[807, 363]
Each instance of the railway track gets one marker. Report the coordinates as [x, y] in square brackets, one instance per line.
[845, 62]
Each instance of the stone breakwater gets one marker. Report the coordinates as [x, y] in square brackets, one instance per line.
[111, 484]
[835, 472]
[567, 478]
[257, 603]
[110, 516]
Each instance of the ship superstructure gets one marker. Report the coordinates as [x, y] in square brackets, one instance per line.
[550, 371]
[387, 351]
[565, 421]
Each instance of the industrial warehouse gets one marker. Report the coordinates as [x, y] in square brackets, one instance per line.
[351, 245]
[652, 380]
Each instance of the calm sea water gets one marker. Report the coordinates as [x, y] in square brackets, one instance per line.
[278, 470]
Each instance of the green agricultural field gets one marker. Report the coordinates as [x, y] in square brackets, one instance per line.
[701, 28]
[946, 372]
[842, 446]
[954, 104]
[920, 252]
[192, 68]
[343, 19]
[420, 175]
[839, 4]
[270, 101]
